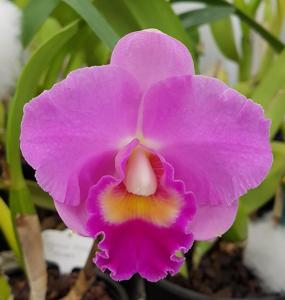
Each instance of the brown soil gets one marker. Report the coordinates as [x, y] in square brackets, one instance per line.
[222, 273]
[58, 286]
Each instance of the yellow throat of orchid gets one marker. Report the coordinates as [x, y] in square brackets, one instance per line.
[140, 196]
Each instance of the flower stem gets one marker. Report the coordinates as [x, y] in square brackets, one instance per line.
[85, 278]
[29, 233]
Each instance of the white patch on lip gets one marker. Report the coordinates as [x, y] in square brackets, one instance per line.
[140, 177]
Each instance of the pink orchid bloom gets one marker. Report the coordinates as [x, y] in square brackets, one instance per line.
[145, 153]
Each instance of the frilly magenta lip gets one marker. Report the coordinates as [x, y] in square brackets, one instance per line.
[145, 153]
[164, 215]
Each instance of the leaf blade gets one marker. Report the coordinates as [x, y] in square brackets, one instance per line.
[275, 43]
[270, 93]
[256, 198]
[118, 15]
[95, 20]
[39, 197]
[5, 291]
[6, 225]
[25, 90]
[34, 15]
[205, 15]
[225, 42]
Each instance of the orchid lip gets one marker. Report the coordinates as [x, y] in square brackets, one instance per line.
[137, 223]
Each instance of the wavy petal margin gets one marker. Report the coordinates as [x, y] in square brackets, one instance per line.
[144, 242]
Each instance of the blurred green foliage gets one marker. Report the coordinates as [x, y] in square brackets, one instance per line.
[5, 291]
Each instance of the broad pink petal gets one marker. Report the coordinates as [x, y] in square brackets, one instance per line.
[216, 140]
[71, 133]
[90, 113]
[216, 220]
[150, 56]
[73, 211]
[137, 245]
[74, 217]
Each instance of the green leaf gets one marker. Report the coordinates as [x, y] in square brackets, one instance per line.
[276, 111]
[21, 3]
[275, 43]
[96, 52]
[270, 93]
[271, 83]
[6, 226]
[240, 4]
[225, 38]
[205, 15]
[25, 90]
[158, 14]
[184, 270]
[5, 291]
[118, 15]
[95, 20]
[34, 15]
[200, 249]
[55, 68]
[275, 24]
[256, 198]
[45, 32]
[252, 6]
[239, 229]
[65, 14]
[245, 63]
[100, 55]
[62, 62]
[244, 87]
[40, 197]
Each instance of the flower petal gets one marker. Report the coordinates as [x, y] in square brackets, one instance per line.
[139, 247]
[89, 113]
[74, 217]
[216, 140]
[151, 56]
[73, 211]
[141, 234]
[215, 220]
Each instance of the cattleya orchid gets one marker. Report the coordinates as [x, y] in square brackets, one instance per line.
[145, 153]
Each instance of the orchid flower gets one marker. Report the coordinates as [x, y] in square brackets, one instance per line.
[145, 154]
